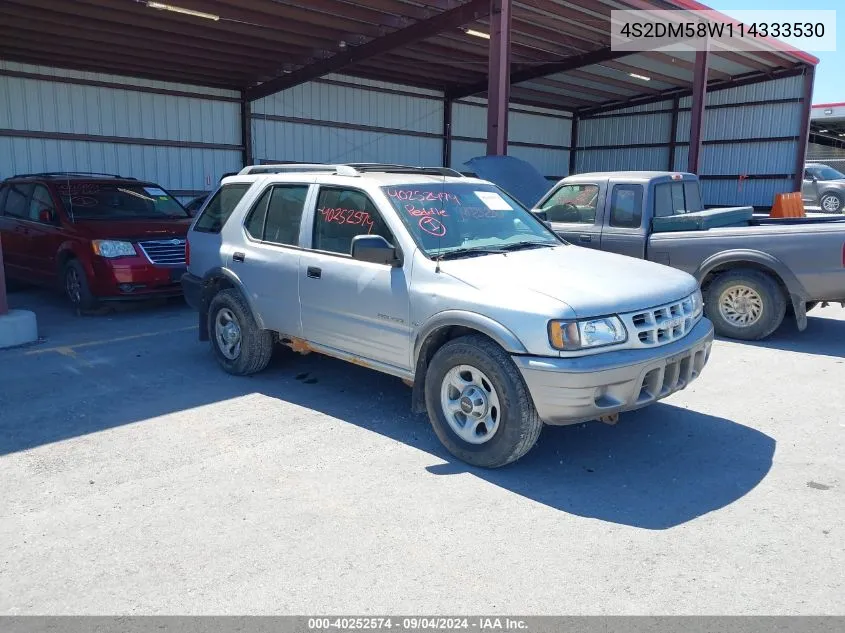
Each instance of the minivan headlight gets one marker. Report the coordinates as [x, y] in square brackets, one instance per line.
[113, 248]
[575, 335]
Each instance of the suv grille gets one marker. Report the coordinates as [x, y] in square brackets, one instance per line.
[164, 252]
[661, 325]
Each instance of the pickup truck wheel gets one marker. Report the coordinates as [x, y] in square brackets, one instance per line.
[832, 202]
[75, 285]
[239, 345]
[478, 403]
[745, 304]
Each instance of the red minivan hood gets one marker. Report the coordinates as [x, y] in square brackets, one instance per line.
[133, 229]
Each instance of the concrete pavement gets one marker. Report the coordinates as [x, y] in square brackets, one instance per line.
[138, 478]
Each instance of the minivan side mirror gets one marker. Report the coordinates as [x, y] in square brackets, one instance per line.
[375, 249]
[46, 216]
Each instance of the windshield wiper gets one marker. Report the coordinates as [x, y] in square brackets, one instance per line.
[518, 246]
[468, 252]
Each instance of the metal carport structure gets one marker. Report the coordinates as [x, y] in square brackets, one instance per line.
[547, 63]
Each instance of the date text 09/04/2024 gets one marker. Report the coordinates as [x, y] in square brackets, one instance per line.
[416, 623]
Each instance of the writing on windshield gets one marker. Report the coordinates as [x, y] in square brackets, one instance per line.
[449, 216]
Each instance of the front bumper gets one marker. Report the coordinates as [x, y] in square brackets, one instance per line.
[134, 278]
[572, 390]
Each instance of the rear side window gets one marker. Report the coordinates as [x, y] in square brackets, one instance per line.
[277, 215]
[626, 206]
[17, 200]
[341, 215]
[41, 201]
[676, 198]
[220, 207]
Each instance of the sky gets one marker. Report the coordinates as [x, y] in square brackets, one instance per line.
[830, 76]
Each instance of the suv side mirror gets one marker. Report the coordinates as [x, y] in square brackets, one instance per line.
[375, 249]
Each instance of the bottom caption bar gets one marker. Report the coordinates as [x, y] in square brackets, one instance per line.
[416, 623]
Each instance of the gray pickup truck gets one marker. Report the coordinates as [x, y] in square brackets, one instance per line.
[752, 269]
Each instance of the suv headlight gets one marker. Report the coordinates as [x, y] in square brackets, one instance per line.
[575, 335]
[697, 304]
[113, 248]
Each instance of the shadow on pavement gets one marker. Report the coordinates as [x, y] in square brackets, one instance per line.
[823, 336]
[658, 468]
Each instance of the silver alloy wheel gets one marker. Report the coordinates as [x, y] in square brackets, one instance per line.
[470, 404]
[228, 333]
[831, 203]
[73, 286]
[740, 305]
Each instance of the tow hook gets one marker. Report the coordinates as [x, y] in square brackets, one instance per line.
[611, 419]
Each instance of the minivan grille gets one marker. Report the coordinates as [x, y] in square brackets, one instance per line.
[661, 325]
[164, 252]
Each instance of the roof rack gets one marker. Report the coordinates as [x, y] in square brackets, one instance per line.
[283, 168]
[74, 174]
[349, 169]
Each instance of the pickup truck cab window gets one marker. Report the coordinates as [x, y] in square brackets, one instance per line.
[676, 198]
[466, 219]
[277, 215]
[220, 207]
[572, 203]
[343, 214]
[626, 206]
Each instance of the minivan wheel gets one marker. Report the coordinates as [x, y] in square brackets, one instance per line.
[478, 403]
[832, 202]
[744, 304]
[239, 345]
[75, 285]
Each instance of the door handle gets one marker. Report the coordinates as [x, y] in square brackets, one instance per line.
[314, 272]
[238, 257]
[585, 238]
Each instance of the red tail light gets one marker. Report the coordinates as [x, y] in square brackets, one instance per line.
[187, 252]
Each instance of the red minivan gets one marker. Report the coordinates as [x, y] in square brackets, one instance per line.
[96, 237]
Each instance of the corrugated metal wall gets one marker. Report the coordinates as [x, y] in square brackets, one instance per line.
[749, 145]
[181, 136]
[539, 136]
[629, 138]
[749, 148]
[336, 120]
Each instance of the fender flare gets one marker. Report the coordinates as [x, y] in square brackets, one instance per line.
[221, 272]
[448, 318]
[798, 295]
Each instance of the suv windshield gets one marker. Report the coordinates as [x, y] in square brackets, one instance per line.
[454, 216]
[119, 201]
[828, 173]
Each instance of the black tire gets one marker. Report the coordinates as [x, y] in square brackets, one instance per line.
[766, 288]
[519, 425]
[76, 288]
[255, 345]
[834, 200]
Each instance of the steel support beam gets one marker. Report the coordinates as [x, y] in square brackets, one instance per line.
[573, 145]
[499, 77]
[447, 132]
[4, 305]
[246, 130]
[673, 133]
[422, 30]
[543, 70]
[804, 135]
[699, 97]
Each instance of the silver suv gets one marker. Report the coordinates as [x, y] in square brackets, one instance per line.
[448, 283]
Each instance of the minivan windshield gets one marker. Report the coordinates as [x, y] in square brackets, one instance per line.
[119, 201]
[464, 218]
